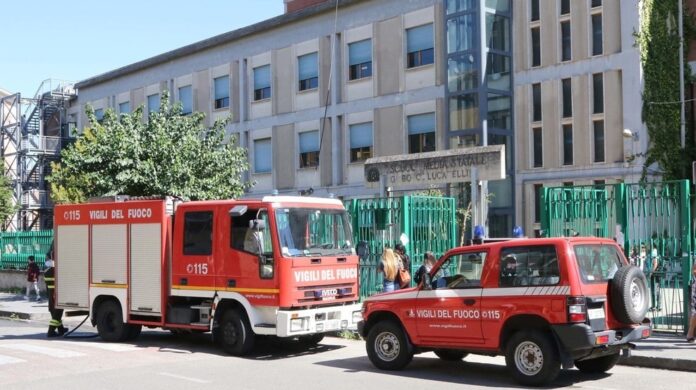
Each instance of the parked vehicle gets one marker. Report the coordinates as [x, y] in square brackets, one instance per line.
[542, 303]
[281, 266]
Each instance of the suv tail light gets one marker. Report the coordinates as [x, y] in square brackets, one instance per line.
[577, 309]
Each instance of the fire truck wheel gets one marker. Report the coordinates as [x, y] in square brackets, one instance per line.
[532, 358]
[387, 346]
[110, 322]
[598, 365]
[311, 339]
[134, 331]
[234, 333]
[450, 355]
[629, 295]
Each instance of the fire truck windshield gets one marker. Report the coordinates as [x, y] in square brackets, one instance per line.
[313, 232]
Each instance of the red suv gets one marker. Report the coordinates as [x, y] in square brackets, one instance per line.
[543, 303]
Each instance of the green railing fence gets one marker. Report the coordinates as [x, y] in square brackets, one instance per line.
[427, 222]
[16, 247]
[652, 221]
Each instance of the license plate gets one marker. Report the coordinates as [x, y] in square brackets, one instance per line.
[595, 314]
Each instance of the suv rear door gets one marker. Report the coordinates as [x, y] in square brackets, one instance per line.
[448, 313]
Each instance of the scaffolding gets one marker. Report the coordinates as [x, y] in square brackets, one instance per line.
[32, 133]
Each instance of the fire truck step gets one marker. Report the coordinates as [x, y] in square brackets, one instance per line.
[206, 324]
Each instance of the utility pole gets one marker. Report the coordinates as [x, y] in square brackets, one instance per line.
[682, 115]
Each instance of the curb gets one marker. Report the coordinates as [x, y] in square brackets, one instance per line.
[659, 363]
[24, 316]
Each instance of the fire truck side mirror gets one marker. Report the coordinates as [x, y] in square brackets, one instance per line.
[238, 211]
[257, 224]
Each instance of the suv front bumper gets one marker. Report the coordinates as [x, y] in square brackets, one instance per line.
[579, 341]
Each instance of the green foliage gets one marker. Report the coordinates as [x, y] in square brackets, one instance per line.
[8, 207]
[658, 41]
[169, 154]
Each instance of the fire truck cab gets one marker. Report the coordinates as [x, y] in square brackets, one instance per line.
[281, 266]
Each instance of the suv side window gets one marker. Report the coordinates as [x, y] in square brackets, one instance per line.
[529, 266]
[460, 271]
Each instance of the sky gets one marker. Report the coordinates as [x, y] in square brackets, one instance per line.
[76, 39]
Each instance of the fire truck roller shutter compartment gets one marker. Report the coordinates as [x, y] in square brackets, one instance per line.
[146, 268]
[109, 255]
[72, 250]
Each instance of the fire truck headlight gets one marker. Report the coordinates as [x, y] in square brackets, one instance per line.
[357, 316]
[299, 324]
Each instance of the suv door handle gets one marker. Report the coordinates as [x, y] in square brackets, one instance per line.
[469, 301]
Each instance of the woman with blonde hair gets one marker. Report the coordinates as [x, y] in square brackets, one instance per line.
[390, 268]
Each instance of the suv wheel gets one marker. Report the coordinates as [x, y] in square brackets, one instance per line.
[451, 355]
[629, 295]
[387, 346]
[532, 358]
[598, 365]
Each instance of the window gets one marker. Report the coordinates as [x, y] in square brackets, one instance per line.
[464, 112]
[460, 5]
[567, 144]
[222, 92]
[99, 114]
[186, 100]
[565, 41]
[499, 112]
[596, 34]
[538, 188]
[596, 3]
[263, 159]
[460, 271]
[536, 47]
[538, 147]
[360, 59]
[462, 74]
[360, 142]
[497, 32]
[419, 46]
[308, 69]
[567, 98]
[153, 103]
[498, 5]
[309, 149]
[498, 70]
[565, 7]
[421, 133]
[597, 93]
[198, 233]
[534, 10]
[124, 108]
[598, 141]
[262, 82]
[597, 263]
[529, 266]
[242, 236]
[536, 102]
[460, 33]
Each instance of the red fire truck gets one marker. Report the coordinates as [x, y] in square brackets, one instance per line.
[281, 266]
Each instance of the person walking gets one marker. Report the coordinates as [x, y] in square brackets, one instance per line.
[389, 267]
[32, 279]
[692, 305]
[55, 325]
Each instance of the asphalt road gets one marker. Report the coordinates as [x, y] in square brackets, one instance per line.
[158, 360]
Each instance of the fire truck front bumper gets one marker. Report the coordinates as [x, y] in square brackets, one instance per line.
[318, 320]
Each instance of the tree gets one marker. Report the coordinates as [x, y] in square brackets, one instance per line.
[169, 154]
[8, 207]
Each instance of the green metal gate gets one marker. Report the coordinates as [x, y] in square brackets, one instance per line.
[16, 247]
[652, 221]
[428, 222]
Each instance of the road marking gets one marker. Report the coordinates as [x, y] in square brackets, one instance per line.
[186, 378]
[9, 360]
[99, 345]
[53, 352]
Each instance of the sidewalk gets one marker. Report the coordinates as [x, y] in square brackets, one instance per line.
[663, 351]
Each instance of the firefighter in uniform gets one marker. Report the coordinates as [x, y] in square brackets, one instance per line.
[55, 326]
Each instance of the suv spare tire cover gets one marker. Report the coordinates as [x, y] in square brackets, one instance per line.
[629, 295]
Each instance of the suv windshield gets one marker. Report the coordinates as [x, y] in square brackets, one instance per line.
[597, 263]
[313, 232]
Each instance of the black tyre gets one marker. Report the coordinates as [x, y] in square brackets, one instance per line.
[598, 365]
[134, 331]
[532, 358]
[388, 347]
[629, 295]
[234, 333]
[311, 340]
[110, 324]
[450, 355]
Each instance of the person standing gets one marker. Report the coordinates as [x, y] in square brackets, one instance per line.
[692, 305]
[428, 263]
[55, 325]
[389, 266]
[400, 250]
[32, 279]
